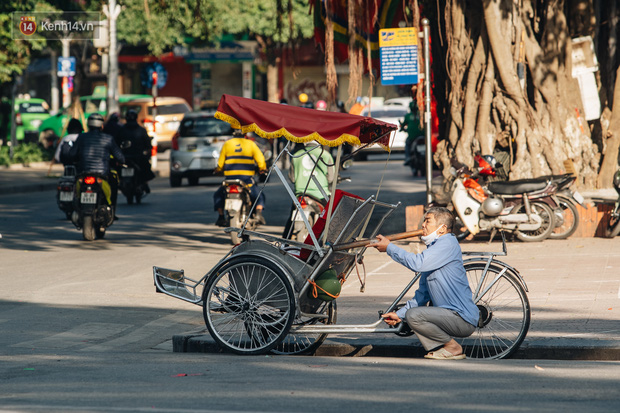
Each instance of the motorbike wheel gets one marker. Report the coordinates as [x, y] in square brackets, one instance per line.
[235, 222]
[613, 228]
[88, 229]
[546, 227]
[570, 216]
[129, 199]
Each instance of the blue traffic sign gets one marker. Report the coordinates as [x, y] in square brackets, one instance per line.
[66, 66]
[398, 51]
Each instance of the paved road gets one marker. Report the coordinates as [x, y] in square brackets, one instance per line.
[83, 330]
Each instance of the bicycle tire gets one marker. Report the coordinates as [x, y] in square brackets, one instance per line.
[248, 305]
[505, 312]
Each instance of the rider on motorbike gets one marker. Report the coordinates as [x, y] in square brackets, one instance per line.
[315, 161]
[411, 125]
[92, 152]
[140, 146]
[239, 158]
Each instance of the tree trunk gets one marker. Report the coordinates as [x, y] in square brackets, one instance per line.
[515, 92]
[272, 82]
[611, 141]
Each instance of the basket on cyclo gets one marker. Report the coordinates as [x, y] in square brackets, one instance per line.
[271, 294]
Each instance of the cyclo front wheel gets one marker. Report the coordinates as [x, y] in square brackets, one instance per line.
[504, 312]
[248, 305]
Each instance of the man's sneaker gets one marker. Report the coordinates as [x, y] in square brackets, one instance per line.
[221, 221]
[260, 219]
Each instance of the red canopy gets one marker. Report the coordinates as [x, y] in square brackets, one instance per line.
[273, 120]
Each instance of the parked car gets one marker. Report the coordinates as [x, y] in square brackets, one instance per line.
[170, 112]
[399, 102]
[29, 114]
[392, 114]
[195, 147]
[54, 127]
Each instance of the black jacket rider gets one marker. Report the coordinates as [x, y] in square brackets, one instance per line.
[93, 150]
[140, 149]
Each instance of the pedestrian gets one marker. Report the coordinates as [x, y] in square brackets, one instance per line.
[74, 128]
[443, 284]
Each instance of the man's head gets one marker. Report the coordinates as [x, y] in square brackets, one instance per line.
[131, 115]
[95, 121]
[74, 126]
[438, 218]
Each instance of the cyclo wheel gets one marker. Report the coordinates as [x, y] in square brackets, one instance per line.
[305, 343]
[504, 312]
[248, 305]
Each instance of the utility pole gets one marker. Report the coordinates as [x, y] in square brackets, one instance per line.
[53, 73]
[66, 95]
[112, 12]
[427, 110]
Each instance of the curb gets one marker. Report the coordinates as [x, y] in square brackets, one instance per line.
[556, 349]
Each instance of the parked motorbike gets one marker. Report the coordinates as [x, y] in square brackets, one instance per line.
[237, 207]
[508, 206]
[613, 227]
[65, 189]
[417, 156]
[131, 184]
[91, 214]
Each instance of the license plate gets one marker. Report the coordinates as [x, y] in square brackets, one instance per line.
[88, 198]
[578, 197]
[66, 196]
[192, 147]
[233, 204]
[127, 172]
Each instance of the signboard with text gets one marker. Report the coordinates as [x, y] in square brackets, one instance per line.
[398, 51]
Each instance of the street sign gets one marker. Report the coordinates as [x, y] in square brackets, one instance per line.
[66, 66]
[398, 51]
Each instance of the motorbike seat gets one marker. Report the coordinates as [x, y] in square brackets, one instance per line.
[520, 186]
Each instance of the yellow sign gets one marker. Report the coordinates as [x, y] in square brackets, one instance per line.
[406, 36]
[27, 25]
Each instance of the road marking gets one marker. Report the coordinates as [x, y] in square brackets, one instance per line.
[77, 336]
[373, 272]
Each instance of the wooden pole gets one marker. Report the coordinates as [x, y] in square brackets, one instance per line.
[367, 241]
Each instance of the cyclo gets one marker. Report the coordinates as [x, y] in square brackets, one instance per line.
[268, 293]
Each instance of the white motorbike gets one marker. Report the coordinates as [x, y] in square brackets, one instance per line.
[507, 206]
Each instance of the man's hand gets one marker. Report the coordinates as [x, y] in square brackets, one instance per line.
[381, 243]
[391, 318]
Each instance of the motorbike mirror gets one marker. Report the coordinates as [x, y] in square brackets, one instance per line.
[125, 144]
[347, 164]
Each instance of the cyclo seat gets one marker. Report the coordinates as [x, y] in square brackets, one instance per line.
[519, 186]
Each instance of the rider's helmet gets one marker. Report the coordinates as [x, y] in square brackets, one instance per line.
[321, 105]
[490, 159]
[492, 206]
[95, 121]
[131, 115]
[303, 98]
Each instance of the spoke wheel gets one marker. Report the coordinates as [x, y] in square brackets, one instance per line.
[248, 305]
[504, 313]
[613, 228]
[546, 227]
[307, 343]
[570, 219]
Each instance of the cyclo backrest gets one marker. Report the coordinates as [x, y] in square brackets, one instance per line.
[345, 205]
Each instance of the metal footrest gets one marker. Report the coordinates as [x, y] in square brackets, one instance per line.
[175, 284]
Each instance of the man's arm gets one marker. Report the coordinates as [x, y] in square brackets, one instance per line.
[116, 151]
[259, 158]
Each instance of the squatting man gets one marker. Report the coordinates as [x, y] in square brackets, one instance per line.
[443, 284]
